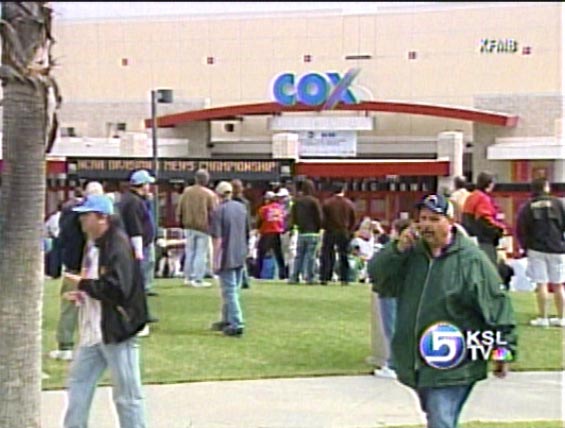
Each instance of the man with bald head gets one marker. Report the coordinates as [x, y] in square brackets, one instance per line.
[194, 211]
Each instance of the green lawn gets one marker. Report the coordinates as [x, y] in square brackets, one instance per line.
[290, 332]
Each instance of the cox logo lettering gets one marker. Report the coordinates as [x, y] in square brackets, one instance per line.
[442, 346]
[315, 89]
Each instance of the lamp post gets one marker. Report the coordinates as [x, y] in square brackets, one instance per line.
[164, 96]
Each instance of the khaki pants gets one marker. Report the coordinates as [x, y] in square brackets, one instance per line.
[68, 318]
[379, 347]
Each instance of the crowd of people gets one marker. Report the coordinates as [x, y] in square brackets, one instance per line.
[442, 266]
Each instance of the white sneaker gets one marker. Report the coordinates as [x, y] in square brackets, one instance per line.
[557, 322]
[187, 282]
[540, 322]
[61, 355]
[66, 355]
[144, 332]
[385, 372]
[200, 284]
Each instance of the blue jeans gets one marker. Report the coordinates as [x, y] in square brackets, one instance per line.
[230, 281]
[196, 254]
[388, 320]
[245, 277]
[148, 266]
[88, 365]
[443, 405]
[305, 257]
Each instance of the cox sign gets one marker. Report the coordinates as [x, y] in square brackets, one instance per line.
[315, 89]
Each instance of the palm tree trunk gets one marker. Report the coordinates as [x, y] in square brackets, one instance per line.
[26, 120]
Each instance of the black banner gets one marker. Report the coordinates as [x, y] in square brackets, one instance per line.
[181, 169]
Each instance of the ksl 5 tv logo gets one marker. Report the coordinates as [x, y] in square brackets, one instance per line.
[444, 346]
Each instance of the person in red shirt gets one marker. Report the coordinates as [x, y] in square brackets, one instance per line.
[481, 217]
[271, 218]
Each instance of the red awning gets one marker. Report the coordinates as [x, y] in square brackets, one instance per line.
[271, 108]
[372, 168]
[53, 166]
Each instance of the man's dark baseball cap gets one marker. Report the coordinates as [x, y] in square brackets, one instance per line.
[436, 203]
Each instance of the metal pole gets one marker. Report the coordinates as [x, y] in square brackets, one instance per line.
[155, 155]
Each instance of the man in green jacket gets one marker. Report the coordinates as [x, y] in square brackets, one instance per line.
[453, 313]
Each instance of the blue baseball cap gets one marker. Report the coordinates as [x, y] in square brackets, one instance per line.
[436, 203]
[140, 177]
[96, 204]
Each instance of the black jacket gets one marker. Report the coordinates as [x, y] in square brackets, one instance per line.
[136, 217]
[306, 214]
[541, 224]
[119, 288]
[71, 237]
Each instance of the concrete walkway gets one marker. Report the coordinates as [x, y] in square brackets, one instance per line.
[325, 402]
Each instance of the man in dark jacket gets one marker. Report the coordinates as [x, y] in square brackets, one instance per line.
[114, 309]
[139, 226]
[450, 301]
[540, 232]
[306, 218]
[339, 225]
[72, 241]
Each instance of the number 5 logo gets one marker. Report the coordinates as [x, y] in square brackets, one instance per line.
[442, 346]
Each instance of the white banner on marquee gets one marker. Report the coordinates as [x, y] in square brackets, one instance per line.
[327, 143]
[321, 123]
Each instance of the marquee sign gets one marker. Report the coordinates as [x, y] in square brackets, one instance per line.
[180, 169]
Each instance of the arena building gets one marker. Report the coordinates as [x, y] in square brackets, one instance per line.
[437, 90]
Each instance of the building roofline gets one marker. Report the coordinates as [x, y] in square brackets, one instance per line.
[205, 16]
[391, 8]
